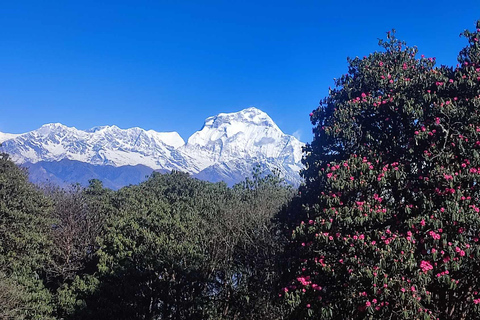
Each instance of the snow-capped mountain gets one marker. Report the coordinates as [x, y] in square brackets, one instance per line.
[227, 147]
[98, 146]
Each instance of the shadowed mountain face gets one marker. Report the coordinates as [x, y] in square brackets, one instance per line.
[65, 172]
[226, 149]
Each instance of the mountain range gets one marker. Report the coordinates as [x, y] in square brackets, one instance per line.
[227, 148]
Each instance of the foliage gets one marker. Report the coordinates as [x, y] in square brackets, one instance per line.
[391, 202]
[175, 247]
[24, 245]
[151, 255]
[248, 274]
[80, 216]
[75, 232]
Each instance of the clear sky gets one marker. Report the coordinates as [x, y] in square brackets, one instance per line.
[167, 65]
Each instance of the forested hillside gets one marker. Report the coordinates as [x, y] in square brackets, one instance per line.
[172, 247]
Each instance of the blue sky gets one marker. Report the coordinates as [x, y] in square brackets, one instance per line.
[167, 65]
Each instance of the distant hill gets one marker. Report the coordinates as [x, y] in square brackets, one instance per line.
[65, 172]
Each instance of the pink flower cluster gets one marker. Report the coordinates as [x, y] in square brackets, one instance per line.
[440, 274]
[304, 280]
[434, 235]
[425, 266]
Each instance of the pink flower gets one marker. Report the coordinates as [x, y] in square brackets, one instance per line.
[412, 288]
[316, 287]
[368, 304]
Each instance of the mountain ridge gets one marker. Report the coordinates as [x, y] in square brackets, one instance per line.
[227, 145]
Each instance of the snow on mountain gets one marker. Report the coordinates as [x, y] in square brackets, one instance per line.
[249, 135]
[100, 146]
[227, 147]
[7, 136]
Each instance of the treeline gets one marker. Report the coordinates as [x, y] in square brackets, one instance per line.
[172, 247]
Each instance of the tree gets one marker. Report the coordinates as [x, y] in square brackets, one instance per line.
[248, 246]
[175, 247]
[391, 198]
[75, 232]
[24, 245]
[80, 216]
[153, 257]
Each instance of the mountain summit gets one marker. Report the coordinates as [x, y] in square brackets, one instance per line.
[226, 149]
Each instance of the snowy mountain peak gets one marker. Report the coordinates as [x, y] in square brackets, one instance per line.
[53, 125]
[7, 136]
[249, 135]
[169, 138]
[98, 128]
[49, 128]
[249, 116]
[227, 125]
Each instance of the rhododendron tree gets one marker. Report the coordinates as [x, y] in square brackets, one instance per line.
[391, 222]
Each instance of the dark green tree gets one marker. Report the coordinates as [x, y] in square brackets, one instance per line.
[175, 247]
[80, 217]
[153, 256]
[24, 245]
[250, 247]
